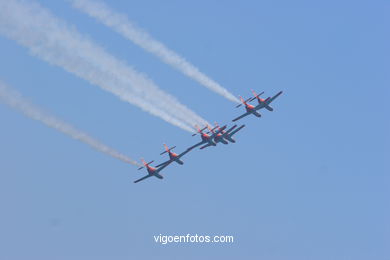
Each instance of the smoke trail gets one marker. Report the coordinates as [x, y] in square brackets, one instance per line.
[13, 99]
[121, 24]
[53, 41]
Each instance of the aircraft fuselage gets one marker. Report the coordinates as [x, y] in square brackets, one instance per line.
[173, 157]
[207, 139]
[250, 108]
[154, 172]
[220, 139]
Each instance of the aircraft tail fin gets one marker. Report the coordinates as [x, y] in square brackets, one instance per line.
[244, 102]
[145, 164]
[167, 150]
[198, 130]
[255, 95]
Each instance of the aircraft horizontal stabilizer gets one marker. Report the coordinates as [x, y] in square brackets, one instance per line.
[243, 101]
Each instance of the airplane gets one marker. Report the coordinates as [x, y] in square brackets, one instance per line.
[228, 134]
[262, 103]
[151, 170]
[173, 157]
[218, 137]
[206, 138]
[250, 109]
[250, 99]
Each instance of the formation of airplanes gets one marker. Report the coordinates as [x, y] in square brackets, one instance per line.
[212, 136]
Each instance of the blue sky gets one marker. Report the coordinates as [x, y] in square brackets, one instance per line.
[307, 181]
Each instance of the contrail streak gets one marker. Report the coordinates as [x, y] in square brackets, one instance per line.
[54, 41]
[13, 99]
[121, 24]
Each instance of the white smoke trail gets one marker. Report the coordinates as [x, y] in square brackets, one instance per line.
[13, 99]
[121, 24]
[53, 41]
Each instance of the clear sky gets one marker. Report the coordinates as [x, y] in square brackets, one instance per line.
[307, 181]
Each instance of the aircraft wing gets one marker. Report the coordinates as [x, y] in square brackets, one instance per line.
[273, 98]
[235, 131]
[229, 130]
[204, 146]
[219, 131]
[195, 145]
[166, 163]
[169, 161]
[256, 113]
[143, 178]
[183, 153]
[163, 166]
[243, 115]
